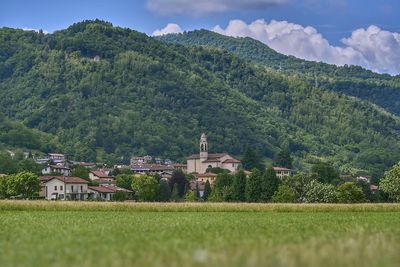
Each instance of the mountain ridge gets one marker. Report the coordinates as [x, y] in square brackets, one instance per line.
[108, 92]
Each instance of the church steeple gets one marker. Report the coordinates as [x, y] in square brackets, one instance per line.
[203, 147]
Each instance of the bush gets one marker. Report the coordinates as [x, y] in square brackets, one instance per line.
[317, 192]
[350, 193]
[284, 194]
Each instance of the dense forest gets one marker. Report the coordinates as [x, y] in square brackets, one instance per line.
[380, 89]
[107, 92]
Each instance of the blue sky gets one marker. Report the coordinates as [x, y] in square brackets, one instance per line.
[333, 20]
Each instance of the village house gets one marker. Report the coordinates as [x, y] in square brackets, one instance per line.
[64, 188]
[56, 158]
[204, 177]
[95, 175]
[178, 166]
[282, 172]
[104, 193]
[151, 169]
[58, 169]
[199, 163]
[197, 185]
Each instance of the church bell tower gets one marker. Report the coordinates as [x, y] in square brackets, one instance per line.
[203, 147]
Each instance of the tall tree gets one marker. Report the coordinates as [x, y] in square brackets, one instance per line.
[326, 173]
[145, 187]
[124, 181]
[24, 184]
[390, 184]
[80, 171]
[164, 192]
[207, 190]
[252, 159]
[284, 159]
[179, 180]
[269, 185]
[239, 187]
[253, 186]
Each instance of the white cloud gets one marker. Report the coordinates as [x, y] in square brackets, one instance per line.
[170, 28]
[372, 48]
[199, 7]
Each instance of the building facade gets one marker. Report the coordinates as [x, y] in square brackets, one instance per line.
[199, 163]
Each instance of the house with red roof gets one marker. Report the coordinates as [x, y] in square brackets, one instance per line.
[64, 188]
[199, 163]
[105, 193]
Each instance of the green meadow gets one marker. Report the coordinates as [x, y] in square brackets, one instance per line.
[200, 234]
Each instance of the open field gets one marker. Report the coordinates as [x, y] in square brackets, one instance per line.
[147, 234]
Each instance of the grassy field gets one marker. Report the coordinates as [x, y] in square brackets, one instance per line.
[146, 234]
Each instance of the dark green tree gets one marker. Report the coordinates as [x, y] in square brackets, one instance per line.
[326, 173]
[253, 186]
[164, 192]
[252, 159]
[178, 179]
[207, 190]
[239, 187]
[350, 193]
[284, 159]
[269, 185]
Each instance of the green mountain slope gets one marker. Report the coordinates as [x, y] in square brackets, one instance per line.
[15, 135]
[108, 92]
[380, 89]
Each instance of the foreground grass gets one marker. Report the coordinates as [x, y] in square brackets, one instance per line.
[111, 234]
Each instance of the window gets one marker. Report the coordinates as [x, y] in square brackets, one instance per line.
[72, 188]
[81, 188]
[55, 188]
[61, 187]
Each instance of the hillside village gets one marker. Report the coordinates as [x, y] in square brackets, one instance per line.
[64, 179]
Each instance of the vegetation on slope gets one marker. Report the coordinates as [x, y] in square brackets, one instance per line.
[141, 95]
[381, 89]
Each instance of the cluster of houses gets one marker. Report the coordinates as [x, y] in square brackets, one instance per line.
[74, 188]
[58, 184]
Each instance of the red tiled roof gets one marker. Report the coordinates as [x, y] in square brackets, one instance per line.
[231, 161]
[108, 189]
[102, 189]
[210, 156]
[100, 174]
[280, 169]
[207, 174]
[65, 179]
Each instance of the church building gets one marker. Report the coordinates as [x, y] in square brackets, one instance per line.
[199, 163]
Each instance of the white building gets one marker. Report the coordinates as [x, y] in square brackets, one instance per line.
[282, 172]
[56, 158]
[199, 163]
[64, 188]
[61, 170]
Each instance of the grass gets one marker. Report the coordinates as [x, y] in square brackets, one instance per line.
[149, 234]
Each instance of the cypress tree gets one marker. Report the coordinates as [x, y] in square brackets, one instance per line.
[207, 190]
[239, 187]
[269, 185]
[253, 186]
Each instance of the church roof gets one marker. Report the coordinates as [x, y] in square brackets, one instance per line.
[210, 156]
[231, 161]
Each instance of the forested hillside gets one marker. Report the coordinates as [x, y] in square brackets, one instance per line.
[107, 92]
[381, 89]
[14, 135]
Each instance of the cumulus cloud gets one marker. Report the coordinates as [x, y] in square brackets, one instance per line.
[372, 48]
[170, 28]
[199, 7]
